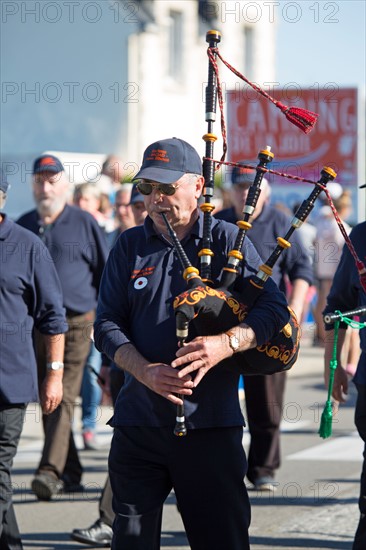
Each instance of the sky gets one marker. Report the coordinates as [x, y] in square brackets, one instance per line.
[321, 42]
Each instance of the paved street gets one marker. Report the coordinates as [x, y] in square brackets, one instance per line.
[315, 505]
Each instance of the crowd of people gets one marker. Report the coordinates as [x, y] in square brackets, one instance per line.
[102, 309]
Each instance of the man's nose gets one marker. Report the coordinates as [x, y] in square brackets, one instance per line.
[157, 195]
[45, 185]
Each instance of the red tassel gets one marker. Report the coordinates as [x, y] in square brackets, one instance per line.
[303, 119]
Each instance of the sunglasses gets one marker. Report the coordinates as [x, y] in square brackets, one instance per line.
[163, 188]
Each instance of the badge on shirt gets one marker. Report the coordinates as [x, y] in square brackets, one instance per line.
[140, 276]
[140, 283]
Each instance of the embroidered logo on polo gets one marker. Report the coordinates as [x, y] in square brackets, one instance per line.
[141, 277]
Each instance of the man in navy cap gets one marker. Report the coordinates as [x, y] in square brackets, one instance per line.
[347, 293]
[265, 394]
[135, 327]
[78, 249]
[30, 297]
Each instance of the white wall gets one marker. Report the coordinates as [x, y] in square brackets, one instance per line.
[167, 107]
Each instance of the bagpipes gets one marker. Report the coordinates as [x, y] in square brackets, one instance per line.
[214, 309]
[330, 318]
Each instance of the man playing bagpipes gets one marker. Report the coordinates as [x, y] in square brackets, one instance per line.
[347, 293]
[136, 328]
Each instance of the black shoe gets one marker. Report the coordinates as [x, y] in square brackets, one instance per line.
[98, 534]
[45, 486]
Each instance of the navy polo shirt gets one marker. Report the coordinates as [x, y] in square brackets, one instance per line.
[142, 277]
[31, 295]
[79, 250]
[346, 292]
[270, 224]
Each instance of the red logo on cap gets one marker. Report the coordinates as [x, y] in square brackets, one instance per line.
[244, 171]
[159, 155]
[49, 161]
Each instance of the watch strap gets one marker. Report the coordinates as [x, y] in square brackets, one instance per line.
[55, 365]
[233, 340]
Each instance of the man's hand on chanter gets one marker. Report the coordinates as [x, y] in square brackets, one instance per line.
[202, 353]
[167, 382]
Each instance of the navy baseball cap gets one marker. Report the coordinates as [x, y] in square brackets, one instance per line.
[47, 163]
[239, 174]
[4, 184]
[136, 195]
[167, 160]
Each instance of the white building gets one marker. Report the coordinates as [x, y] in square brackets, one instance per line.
[170, 66]
[110, 76]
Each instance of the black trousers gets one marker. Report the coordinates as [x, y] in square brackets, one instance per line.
[206, 469]
[360, 421]
[264, 403]
[11, 425]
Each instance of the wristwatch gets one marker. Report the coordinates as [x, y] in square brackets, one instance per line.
[233, 341]
[55, 365]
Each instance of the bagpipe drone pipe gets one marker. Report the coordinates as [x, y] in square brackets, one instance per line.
[212, 308]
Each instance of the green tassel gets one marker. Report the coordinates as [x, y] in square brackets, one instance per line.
[325, 429]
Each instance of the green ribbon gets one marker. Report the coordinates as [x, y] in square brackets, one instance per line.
[325, 429]
[351, 322]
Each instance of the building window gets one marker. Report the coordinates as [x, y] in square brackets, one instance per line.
[175, 67]
[249, 52]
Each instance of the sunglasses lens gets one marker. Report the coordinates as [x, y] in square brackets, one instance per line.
[145, 188]
[167, 189]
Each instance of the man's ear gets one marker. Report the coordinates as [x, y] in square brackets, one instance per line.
[200, 182]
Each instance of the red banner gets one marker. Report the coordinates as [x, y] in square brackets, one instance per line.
[254, 122]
